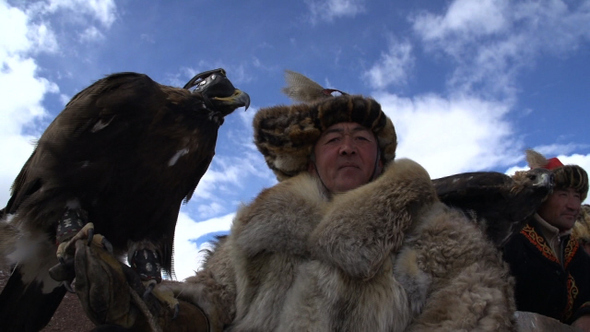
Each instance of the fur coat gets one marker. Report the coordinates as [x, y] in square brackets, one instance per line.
[386, 256]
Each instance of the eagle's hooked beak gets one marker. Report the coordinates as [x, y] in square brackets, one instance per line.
[238, 99]
[218, 91]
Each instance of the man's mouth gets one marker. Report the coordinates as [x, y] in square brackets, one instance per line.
[348, 166]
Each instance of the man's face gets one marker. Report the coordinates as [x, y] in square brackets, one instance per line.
[561, 208]
[345, 156]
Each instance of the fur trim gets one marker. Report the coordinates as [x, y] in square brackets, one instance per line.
[454, 276]
[582, 226]
[285, 135]
[359, 248]
[269, 241]
[354, 246]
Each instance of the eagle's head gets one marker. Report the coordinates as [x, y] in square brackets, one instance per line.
[218, 92]
[538, 181]
[529, 190]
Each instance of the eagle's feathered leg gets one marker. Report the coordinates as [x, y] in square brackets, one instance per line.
[144, 258]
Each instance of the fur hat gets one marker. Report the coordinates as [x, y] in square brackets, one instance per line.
[566, 176]
[286, 135]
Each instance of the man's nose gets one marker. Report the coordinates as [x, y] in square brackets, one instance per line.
[573, 203]
[347, 146]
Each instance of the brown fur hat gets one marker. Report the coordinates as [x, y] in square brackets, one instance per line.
[566, 176]
[286, 135]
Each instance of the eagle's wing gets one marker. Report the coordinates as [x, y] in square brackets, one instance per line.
[498, 202]
[126, 151]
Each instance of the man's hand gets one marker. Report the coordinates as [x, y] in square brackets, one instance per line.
[109, 293]
[102, 287]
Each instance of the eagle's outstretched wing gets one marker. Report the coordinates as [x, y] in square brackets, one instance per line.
[499, 202]
[123, 154]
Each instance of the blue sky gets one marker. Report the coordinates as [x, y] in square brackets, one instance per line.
[468, 84]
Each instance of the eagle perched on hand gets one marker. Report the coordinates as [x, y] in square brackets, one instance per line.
[123, 155]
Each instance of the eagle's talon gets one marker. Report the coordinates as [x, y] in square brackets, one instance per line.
[90, 236]
[149, 288]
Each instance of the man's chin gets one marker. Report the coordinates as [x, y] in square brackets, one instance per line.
[348, 184]
[567, 224]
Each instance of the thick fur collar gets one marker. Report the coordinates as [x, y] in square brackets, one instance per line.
[363, 226]
[353, 249]
[281, 218]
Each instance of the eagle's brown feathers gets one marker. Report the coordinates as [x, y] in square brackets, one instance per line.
[127, 151]
[498, 202]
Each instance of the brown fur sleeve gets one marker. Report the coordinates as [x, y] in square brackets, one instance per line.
[363, 226]
[281, 218]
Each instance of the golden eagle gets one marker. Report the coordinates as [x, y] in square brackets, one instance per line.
[498, 202]
[123, 154]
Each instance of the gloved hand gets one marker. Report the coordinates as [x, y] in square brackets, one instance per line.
[111, 293]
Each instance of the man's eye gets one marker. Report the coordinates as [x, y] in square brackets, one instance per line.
[362, 138]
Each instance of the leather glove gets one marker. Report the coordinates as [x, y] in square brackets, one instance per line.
[110, 294]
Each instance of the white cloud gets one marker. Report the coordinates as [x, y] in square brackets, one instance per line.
[226, 175]
[42, 38]
[464, 18]
[21, 92]
[492, 40]
[91, 34]
[187, 256]
[328, 10]
[212, 209]
[454, 135]
[13, 20]
[392, 67]
[103, 11]
[22, 89]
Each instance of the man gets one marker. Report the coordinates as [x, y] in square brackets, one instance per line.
[348, 240]
[552, 270]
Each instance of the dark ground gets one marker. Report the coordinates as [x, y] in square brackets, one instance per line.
[69, 317]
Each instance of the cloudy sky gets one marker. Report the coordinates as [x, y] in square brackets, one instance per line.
[468, 84]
